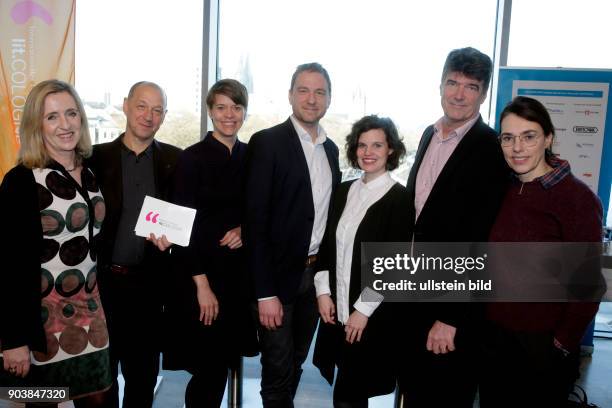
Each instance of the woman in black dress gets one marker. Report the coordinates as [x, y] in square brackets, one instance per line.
[209, 325]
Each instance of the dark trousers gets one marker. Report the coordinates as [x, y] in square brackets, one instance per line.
[210, 364]
[429, 380]
[524, 369]
[133, 313]
[353, 403]
[284, 350]
[206, 386]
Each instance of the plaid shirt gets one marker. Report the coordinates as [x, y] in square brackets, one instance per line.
[561, 168]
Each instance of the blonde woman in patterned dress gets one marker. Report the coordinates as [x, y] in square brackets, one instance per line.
[52, 326]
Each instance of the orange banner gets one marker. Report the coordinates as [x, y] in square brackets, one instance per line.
[36, 43]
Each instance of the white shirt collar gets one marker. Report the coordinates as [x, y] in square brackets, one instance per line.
[305, 136]
[378, 183]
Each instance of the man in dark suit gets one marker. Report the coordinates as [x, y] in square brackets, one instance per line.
[457, 184]
[292, 170]
[129, 267]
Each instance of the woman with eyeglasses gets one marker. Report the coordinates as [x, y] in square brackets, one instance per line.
[530, 350]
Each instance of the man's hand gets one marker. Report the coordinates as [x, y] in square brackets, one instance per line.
[355, 325]
[17, 361]
[161, 243]
[232, 238]
[270, 313]
[327, 310]
[209, 306]
[441, 338]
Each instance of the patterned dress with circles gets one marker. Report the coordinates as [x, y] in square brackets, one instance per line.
[74, 321]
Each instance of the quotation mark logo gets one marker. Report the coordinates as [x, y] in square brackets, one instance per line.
[152, 217]
[22, 11]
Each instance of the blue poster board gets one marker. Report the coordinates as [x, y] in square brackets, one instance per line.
[507, 78]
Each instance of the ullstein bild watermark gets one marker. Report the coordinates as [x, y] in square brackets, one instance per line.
[482, 272]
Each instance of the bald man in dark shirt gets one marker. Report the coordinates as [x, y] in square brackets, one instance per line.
[130, 268]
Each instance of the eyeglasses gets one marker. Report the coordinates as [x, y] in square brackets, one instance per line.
[527, 139]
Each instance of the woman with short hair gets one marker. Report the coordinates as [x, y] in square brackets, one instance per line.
[209, 323]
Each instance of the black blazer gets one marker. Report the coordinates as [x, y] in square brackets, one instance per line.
[385, 221]
[465, 199]
[21, 246]
[106, 164]
[279, 209]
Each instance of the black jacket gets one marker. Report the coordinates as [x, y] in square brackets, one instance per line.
[279, 209]
[463, 202]
[21, 244]
[106, 164]
[385, 221]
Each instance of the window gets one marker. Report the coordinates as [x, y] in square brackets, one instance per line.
[119, 43]
[384, 58]
[549, 33]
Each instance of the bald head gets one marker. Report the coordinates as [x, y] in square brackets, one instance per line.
[137, 85]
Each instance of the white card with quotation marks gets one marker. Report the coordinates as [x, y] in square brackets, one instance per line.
[163, 218]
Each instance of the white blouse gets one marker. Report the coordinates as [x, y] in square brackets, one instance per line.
[360, 198]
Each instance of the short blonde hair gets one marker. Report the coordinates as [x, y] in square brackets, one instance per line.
[32, 151]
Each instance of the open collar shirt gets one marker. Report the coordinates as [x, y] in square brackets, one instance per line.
[138, 181]
[438, 152]
[320, 180]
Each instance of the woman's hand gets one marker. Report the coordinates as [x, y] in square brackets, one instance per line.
[355, 325]
[209, 306]
[232, 238]
[17, 361]
[327, 310]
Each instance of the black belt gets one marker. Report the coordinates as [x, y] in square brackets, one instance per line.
[122, 269]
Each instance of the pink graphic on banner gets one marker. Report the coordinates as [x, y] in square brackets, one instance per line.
[24, 10]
